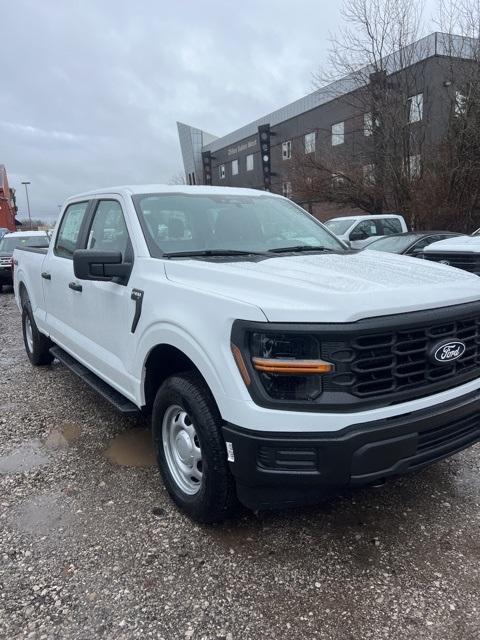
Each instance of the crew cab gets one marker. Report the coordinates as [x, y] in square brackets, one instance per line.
[462, 252]
[278, 365]
[360, 231]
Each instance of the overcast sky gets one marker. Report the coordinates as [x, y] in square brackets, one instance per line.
[91, 91]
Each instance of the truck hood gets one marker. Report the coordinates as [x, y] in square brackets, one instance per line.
[459, 244]
[330, 287]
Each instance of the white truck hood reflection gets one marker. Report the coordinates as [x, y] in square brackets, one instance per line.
[329, 287]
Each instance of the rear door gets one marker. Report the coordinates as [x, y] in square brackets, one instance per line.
[62, 293]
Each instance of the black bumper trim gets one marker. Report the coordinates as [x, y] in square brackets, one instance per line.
[285, 469]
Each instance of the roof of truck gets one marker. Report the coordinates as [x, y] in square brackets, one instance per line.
[16, 234]
[367, 215]
[175, 188]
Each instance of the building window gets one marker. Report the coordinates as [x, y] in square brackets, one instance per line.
[309, 142]
[460, 103]
[414, 166]
[369, 174]
[286, 189]
[287, 150]
[234, 167]
[337, 180]
[221, 172]
[338, 133]
[415, 108]
[250, 162]
[367, 124]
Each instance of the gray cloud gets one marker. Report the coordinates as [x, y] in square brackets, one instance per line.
[92, 90]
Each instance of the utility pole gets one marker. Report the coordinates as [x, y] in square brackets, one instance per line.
[28, 203]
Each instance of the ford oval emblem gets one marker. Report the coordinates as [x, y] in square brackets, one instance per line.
[448, 351]
[445, 262]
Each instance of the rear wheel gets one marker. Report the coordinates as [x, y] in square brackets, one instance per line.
[37, 345]
[190, 449]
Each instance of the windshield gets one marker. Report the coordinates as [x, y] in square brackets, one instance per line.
[339, 227]
[392, 244]
[10, 244]
[178, 222]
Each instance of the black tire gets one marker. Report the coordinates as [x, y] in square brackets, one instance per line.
[38, 351]
[216, 497]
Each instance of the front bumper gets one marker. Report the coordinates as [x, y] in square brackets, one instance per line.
[279, 470]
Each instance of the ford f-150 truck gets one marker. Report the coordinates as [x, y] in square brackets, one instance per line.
[278, 365]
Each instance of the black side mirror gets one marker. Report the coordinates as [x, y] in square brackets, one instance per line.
[358, 235]
[100, 265]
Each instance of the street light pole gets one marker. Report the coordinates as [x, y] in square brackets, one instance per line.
[28, 203]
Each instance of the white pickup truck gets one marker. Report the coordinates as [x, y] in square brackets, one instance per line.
[462, 252]
[278, 365]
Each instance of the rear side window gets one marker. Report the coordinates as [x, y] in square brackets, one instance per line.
[391, 225]
[67, 236]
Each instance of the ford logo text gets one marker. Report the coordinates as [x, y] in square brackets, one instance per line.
[449, 351]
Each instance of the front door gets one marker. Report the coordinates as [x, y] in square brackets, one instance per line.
[107, 309]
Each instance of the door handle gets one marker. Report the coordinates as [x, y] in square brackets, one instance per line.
[75, 286]
[46, 275]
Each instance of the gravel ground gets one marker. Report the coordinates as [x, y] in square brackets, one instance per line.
[91, 546]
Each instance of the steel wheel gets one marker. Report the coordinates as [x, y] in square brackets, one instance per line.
[182, 449]
[29, 333]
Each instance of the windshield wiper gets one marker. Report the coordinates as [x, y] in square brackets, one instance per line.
[212, 252]
[300, 247]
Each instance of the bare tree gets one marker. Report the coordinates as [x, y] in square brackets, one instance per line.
[374, 56]
[178, 178]
[456, 165]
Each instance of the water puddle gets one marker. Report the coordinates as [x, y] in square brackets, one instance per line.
[26, 457]
[43, 514]
[71, 431]
[35, 453]
[132, 449]
[63, 437]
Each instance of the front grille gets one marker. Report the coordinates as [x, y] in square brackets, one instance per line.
[5, 262]
[466, 261]
[396, 362]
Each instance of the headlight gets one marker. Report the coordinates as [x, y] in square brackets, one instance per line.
[286, 366]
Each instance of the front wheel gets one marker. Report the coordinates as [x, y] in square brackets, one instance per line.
[190, 449]
[37, 345]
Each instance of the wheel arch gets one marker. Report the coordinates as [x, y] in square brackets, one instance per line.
[162, 361]
[23, 293]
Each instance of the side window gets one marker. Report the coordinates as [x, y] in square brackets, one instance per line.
[367, 228]
[108, 231]
[67, 236]
[421, 244]
[391, 225]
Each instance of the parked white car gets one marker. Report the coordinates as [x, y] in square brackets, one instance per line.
[278, 365]
[359, 231]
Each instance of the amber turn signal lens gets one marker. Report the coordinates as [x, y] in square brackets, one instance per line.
[237, 354]
[292, 367]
